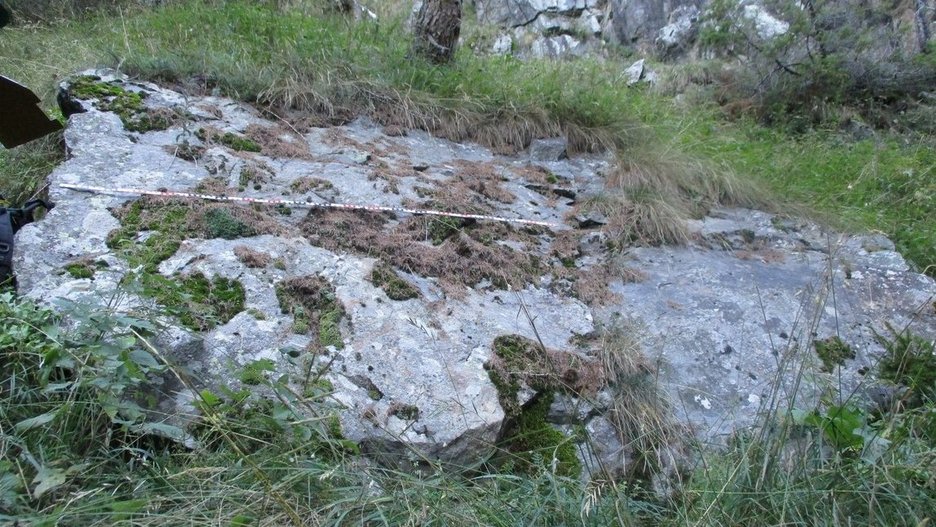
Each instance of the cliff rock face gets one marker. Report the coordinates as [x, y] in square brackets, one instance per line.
[670, 27]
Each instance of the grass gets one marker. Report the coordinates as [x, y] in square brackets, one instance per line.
[280, 458]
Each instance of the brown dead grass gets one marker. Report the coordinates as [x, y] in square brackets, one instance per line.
[467, 255]
[279, 142]
[640, 412]
[535, 174]
[485, 178]
[251, 258]
[306, 184]
[505, 129]
[588, 284]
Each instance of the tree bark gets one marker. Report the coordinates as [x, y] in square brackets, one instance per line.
[436, 29]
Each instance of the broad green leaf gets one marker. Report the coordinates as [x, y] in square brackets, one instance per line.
[144, 358]
[48, 479]
[39, 420]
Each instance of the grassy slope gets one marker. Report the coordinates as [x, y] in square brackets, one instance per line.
[328, 65]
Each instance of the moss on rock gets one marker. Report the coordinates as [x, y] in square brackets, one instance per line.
[312, 302]
[384, 277]
[535, 445]
[833, 352]
[198, 302]
[128, 105]
[231, 140]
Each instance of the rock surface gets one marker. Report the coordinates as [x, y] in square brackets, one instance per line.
[669, 29]
[727, 320]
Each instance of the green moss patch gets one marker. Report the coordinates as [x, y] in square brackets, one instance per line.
[384, 277]
[84, 268]
[531, 443]
[198, 302]
[518, 360]
[168, 222]
[315, 309]
[233, 141]
[535, 445]
[833, 352]
[128, 105]
[220, 223]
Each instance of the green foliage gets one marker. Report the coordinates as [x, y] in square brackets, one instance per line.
[910, 360]
[254, 373]
[84, 382]
[840, 425]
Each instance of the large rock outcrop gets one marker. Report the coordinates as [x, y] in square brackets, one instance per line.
[406, 321]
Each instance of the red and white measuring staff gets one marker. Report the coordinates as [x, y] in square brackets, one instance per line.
[303, 204]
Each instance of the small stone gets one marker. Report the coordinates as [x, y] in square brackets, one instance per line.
[876, 242]
[546, 150]
[359, 157]
[591, 219]
[634, 72]
[503, 45]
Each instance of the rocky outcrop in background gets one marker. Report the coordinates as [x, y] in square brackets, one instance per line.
[428, 337]
[670, 29]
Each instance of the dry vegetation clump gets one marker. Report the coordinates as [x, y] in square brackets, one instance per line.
[279, 142]
[590, 283]
[535, 174]
[331, 99]
[464, 253]
[650, 194]
[485, 178]
[640, 412]
[306, 184]
[518, 361]
[214, 186]
[186, 151]
[251, 258]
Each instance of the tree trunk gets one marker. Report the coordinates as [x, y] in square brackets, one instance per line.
[436, 29]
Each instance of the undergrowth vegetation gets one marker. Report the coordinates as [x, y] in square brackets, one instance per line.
[75, 448]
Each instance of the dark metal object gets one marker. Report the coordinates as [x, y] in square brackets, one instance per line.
[21, 120]
[5, 15]
[11, 220]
